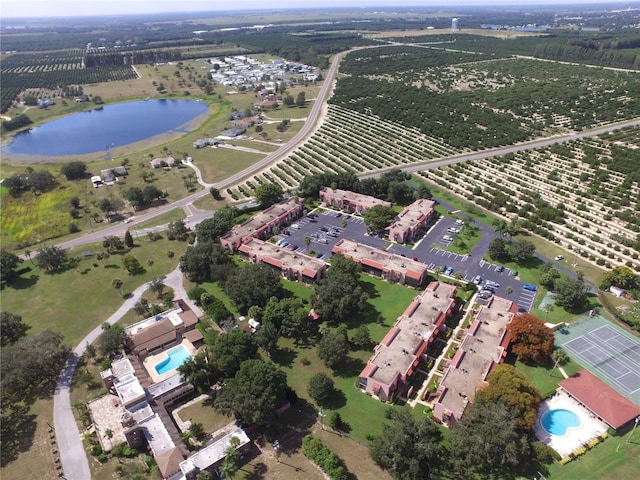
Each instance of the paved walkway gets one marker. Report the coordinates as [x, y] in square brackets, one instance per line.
[72, 453]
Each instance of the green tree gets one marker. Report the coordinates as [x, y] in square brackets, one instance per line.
[211, 229]
[521, 251]
[487, 441]
[12, 328]
[117, 284]
[253, 284]
[497, 249]
[254, 394]
[8, 265]
[132, 265]
[178, 230]
[128, 239]
[228, 351]
[361, 338]
[333, 348]
[378, 218]
[531, 339]
[74, 170]
[301, 99]
[288, 101]
[509, 385]
[408, 448]
[157, 287]
[215, 308]
[571, 294]
[111, 340]
[267, 337]
[339, 295]
[424, 191]
[206, 261]
[204, 474]
[198, 372]
[29, 367]
[321, 388]
[113, 244]
[622, 277]
[52, 259]
[268, 194]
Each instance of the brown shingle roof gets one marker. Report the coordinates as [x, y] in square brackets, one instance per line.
[154, 336]
[189, 318]
[169, 462]
[600, 398]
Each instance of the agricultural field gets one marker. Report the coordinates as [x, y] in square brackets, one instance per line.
[348, 140]
[584, 195]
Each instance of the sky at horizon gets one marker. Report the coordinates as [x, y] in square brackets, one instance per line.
[65, 8]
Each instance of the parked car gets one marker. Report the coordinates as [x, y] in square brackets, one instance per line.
[528, 286]
[459, 222]
[313, 220]
[488, 289]
[284, 244]
[294, 247]
[559, 257]
[295, 226]
[311, 215]
[447, 238]
[477, 280]
[286, 232]
[338, 215]
[323, 240]
[318, 255]
[499, 268]
[492, 284]
[448, 271]
[484, 294]
[324, 229]
[513, 273]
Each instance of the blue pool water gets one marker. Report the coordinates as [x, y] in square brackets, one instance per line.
[177, 356]
[111, 126]
[557, 422]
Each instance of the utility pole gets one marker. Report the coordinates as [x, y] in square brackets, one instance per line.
[635, 425]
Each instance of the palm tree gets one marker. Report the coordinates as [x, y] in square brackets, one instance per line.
[509, 290]
[437, 271]
[156, 286]
[117, 284]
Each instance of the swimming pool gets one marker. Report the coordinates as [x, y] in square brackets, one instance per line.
[558, 421]
[177, 356]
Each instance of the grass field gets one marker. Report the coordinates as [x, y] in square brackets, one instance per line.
[614, 459]
[76, 301]
[204, 413]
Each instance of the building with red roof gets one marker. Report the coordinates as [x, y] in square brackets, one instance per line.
[411, 220]
[483, 347]
[389, 266]
[600, 399]
[292, 265]
[396, 358]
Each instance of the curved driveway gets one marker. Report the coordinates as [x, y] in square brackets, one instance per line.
[72, 454]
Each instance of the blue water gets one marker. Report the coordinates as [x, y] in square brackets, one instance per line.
[111, 126]
[177, 356]
[557, 422]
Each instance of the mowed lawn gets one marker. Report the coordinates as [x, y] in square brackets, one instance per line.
[74, 302]
[614, 459]
[363, 414]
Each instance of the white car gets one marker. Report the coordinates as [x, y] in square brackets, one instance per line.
[559, 257]
[447, 238]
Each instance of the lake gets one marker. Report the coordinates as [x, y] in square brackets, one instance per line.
[107, 127]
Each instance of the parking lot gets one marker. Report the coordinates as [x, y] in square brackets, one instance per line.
[327, 227]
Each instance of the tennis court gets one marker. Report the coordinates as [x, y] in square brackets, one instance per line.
[607, 351]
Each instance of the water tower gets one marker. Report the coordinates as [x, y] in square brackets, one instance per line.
[454, 25]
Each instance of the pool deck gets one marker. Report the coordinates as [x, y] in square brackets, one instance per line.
[151, 361]
[589, 428]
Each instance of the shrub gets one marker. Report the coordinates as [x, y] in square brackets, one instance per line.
[329, 462]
